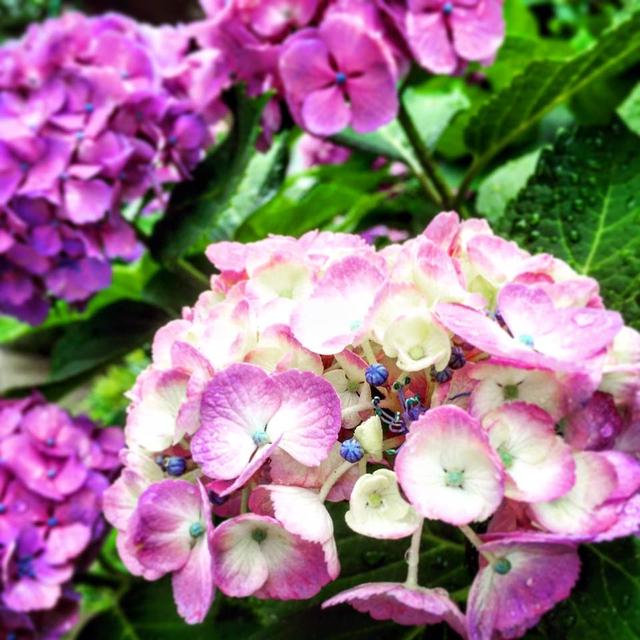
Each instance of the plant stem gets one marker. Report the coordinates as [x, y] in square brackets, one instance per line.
[414, 557]
[424, 157]
[336, 474]
[244, 500]
[466, 183]
[193, 274]
[473, 538]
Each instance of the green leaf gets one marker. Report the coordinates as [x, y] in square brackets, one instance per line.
[110, 334]
[146, 611]
[233, 181]
[606, 600]
[582, 205]
[503, 185]
[629, 110]
[545, 84]
[431, 106]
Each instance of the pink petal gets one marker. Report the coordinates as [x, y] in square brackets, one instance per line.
[237, 402]
[542, 572]
[411, 606]
[325, 111]
[86, 200]
[308, 420]
[323, 323]
[445, 441]
[430, 43]
[478, 31]
[304, 67]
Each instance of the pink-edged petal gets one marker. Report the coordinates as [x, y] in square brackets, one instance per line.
[300, 511]
[534, 573]
[165, 514]
[478, 31]
[325, 111]
[538, 464]
[193, 585]
[447, 468]
[236, 404]
[151, 422]
[564, 334]
[323, 323]
[443, 229]
[120, 499]
[579, 511]
[406, 605]
[308, 420]
[430, 43]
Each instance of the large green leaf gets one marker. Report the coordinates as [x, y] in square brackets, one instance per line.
[233, 181]
[606, 601]
[545, 84]
[583, 205]
[110, 334]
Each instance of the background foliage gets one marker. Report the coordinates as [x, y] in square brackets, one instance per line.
[544, 143]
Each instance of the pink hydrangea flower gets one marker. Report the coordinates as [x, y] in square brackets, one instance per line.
[452, 376]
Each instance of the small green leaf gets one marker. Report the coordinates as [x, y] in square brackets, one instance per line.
[501, 186]
[583, 205]
[545, 84]
[226, 188]
[629, 110]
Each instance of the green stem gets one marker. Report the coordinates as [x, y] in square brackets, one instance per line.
[423, 154]
[336, 474]
[474, 169]
[473, 538]
[413, 559]
[193, 274]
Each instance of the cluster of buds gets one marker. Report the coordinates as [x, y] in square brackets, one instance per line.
[453, 377]
[337, 63]
[53, 471]
[94, 113]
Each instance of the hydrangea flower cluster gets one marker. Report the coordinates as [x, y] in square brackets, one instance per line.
[94, 113]
[53, 471]
[337, 63]
[453, 377]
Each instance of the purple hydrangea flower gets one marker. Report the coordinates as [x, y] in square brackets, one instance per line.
[53, 471]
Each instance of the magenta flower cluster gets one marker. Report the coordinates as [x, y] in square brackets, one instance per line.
[94, 113]
[53, 471]
[453, 377]
[337, 63]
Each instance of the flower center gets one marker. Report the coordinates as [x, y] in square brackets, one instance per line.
[351, 450]
[447, 8]
[52, 522]
[374, 500]
[3, 508]
[196, 529]
[455, 479]
[176, 466]
[505, 456]
[25, 567]
[502, 566]
[259, 535]
[341, 78]
[510, 391]
[417, 352]
[352, 386]
[261, 438]
[526, 340]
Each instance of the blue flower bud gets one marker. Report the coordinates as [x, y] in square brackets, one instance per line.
[442, 376]
[341, 78]
[52, 522]
[376, 374]
[175, 465]
[351, 450]
[447, 8]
